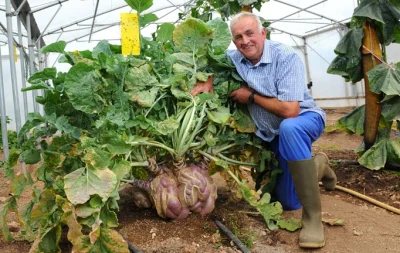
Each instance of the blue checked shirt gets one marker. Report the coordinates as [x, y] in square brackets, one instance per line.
[280, 74]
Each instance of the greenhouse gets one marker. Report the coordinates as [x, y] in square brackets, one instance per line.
[130, 126]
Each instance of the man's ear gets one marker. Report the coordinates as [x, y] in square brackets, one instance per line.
[264, 32]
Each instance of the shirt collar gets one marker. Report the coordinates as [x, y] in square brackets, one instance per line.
[265, 57]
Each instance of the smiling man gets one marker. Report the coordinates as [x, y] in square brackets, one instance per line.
[286, 117]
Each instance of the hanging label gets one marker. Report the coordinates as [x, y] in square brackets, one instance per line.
[130, 40]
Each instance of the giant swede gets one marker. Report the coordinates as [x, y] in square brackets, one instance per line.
[164, 192]
[197, 190]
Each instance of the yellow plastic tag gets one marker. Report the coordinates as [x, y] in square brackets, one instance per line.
[15, 53]
[130, 40]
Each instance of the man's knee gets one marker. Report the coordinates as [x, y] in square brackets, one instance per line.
[288, 126]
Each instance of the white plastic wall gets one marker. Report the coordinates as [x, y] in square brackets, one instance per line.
[8, 92]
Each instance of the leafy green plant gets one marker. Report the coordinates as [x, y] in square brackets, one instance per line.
[12, 136]
[114, 120]
[360, 56]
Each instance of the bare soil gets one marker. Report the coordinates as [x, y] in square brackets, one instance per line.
[367, 228]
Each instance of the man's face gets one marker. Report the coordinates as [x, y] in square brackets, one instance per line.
[248, 38]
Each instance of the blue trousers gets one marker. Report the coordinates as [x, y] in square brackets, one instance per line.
[292, 144]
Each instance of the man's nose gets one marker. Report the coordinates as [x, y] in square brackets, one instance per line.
[245, 40]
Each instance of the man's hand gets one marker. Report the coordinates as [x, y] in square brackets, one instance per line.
[242, 94]
[203, 87]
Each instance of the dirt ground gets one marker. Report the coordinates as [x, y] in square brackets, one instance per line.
[367, 228]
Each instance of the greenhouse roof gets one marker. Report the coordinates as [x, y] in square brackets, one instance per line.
[82, 21]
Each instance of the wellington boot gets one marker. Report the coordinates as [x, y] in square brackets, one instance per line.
[304, 174]
[325, 173]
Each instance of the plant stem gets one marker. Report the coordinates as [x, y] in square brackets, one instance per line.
[140, 164]
[217, 151]
[237, 162]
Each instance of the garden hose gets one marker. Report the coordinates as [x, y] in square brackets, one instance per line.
[369, 199]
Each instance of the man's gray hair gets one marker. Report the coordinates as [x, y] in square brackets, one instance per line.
[238, 16]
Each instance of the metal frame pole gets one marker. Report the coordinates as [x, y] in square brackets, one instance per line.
[49, 5]
[12, 66]
[22, 64]
[51, 20]
[317, 14]
[94, 19]
[300, 10]
[3, 113]
[31, 59]
[307, 64]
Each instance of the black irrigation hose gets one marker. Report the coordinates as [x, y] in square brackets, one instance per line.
[132, 248]
[236, 240]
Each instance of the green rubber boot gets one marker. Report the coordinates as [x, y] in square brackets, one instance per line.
[325, 173]
[305, 179]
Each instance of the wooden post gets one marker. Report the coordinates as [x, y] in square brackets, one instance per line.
[246, 8]
[372, 106]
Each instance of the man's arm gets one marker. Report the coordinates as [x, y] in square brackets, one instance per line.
[284, 109]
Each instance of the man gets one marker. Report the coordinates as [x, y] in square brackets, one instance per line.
[286, 117]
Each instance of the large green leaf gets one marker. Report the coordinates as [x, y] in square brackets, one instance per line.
[31, 156]
[383, 12]
[242, 121]
[139, 5]
[121, 168]
[50, 240]
[82, 85]
[390, 109]
[108, 217]
[220, 116]
[102, 47]
[44, 75]
[350, 43]
[348, 62]
[147, 18]
[107, 241]
[83, 183]
[222, 38]
[10, 205]
[139, 78]
[115, 143]
[354, 121]
[192, 36]
[167, 126]
[386, 150]
[56, 47]
[164, 33]
[144, 98]
[97, 158]
[385, 79]
[62, 124]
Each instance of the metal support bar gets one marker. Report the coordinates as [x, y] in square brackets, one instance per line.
[48, 5]
[300, 10]
[22, 64]
[334, 27]
[338, 22]
[84, 19]
[99, 30]
[12, 68]
[276, 29]
[175, 5]
[16, 12]
[307, 64]
[3, 115]
[101, 13]
[317, 14]
[94, 19]
[51, 20]
[31, 60]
